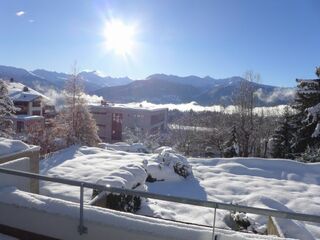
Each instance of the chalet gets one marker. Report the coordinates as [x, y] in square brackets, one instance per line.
[29, 104]
[113, 119]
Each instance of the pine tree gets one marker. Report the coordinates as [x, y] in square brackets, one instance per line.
[75, 122]
[231, 147]
[6, 110]
[318, 72]
[281, 140]
[306, 119]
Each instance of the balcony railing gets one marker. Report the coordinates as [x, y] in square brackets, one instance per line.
[209, 204]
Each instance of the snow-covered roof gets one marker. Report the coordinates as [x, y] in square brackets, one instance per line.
[16, 92]
[27, 117]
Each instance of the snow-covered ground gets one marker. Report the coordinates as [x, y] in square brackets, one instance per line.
[268, 183]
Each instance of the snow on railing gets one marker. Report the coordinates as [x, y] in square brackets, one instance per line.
[209, 204]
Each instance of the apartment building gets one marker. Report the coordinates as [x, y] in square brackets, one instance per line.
[113, 119]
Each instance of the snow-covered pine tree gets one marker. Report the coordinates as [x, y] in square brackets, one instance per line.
[282, 137]
[231, 147]
[6, 110]
[75, 120]
[307, 117]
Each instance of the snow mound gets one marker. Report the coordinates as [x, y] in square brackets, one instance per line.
[9, 146]
[168, 166]
[122, 146]
[160, 149]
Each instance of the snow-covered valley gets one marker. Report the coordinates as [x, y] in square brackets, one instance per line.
[267, 183]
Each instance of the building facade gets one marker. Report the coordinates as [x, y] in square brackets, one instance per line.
[113, 120]
[29, 107]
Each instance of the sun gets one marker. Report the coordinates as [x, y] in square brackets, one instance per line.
[119, 37]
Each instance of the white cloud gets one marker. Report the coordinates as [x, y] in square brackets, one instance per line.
[184, 107]
[31, 21]
[20, 13]
[282, 94]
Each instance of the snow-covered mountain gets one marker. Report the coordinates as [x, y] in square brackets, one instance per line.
[25, 77]
[161, 88]
[92, 79]
[157, 88]
[41, 79]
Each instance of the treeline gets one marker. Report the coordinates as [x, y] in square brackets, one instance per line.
[298, 134]
[293, 133]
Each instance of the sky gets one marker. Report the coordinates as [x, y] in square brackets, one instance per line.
[279, 39]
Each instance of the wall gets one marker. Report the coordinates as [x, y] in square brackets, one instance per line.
[41, 220]
[22, 164]
[103, 116]
[33, 155]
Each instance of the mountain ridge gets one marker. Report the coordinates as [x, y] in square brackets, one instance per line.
[157, 88]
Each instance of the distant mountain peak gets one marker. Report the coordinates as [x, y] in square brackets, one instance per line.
[157, 88]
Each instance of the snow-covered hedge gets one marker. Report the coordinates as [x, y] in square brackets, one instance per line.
[168, 166]
[122, 146]
[132, 176]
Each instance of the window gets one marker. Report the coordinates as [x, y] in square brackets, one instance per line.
[36, 103]
[138, 115]
[20, 126]
[157, 118]
[22, 108]
[37, 113]
[99, 113]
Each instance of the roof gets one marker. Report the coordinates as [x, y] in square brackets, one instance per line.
[16, 92]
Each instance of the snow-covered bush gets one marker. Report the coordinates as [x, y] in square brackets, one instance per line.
[240, 221]
[168, 166]
[176, 161]
[122, 146]
[160, 149]
[128, 177]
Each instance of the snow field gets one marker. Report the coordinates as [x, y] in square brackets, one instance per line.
[267, 183]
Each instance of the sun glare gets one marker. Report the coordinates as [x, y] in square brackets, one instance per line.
[119, 37]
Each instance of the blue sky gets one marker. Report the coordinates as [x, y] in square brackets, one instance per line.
[280, 39]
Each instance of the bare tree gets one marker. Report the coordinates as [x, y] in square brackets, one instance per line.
[244, 101]
[75, 119]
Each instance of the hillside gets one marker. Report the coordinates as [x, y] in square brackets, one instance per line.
[156, 91]
[160, 88]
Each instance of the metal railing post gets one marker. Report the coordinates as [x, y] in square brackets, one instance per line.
[214, 223]
[81, 229]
